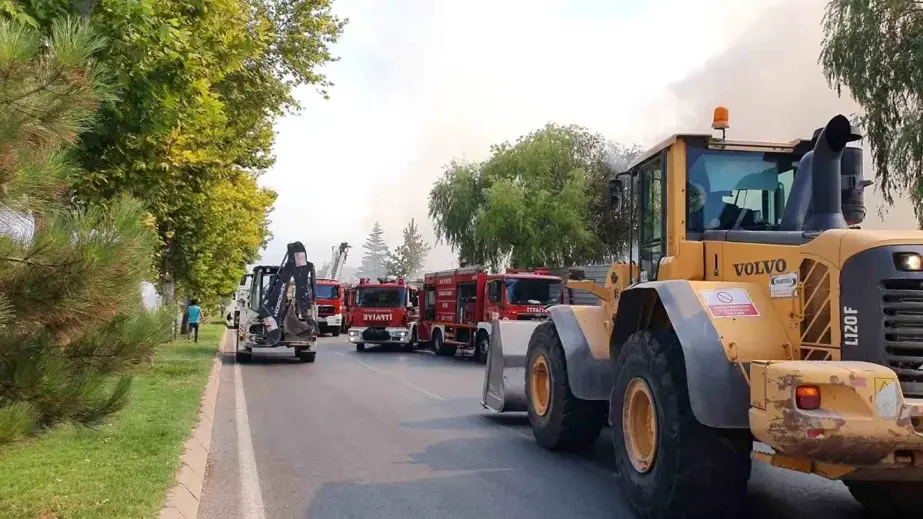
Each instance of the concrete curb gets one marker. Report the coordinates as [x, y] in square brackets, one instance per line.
[183, 497]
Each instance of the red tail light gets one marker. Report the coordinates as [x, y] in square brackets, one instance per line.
[807, 397]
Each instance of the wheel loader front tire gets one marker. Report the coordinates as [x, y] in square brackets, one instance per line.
[560, 421]
[889, 499]
[669, 464]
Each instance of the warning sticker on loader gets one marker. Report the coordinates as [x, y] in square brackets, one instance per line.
[270, 324]
[729, 302]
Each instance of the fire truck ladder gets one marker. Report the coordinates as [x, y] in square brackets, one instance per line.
[337, 261]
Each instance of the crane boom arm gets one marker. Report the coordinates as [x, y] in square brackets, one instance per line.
[339, 261]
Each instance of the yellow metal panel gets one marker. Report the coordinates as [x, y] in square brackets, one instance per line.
[596, 327]
[753, 337]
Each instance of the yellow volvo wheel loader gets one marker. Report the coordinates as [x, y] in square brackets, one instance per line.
[753, 319]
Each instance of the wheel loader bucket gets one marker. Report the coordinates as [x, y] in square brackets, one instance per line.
[505, 374]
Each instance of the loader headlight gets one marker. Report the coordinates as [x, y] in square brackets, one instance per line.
[908, 261]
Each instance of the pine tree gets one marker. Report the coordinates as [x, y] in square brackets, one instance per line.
[375, 258]
[408, 258]
[71, 311]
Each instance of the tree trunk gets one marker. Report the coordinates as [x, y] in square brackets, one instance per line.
[83, 8]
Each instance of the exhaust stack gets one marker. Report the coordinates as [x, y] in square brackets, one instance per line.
[826, 195]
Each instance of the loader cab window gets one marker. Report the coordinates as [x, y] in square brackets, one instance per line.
[262, 280]
[736, 190]
[648, 230]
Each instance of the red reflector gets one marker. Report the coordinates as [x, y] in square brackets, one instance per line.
[807, 397]
[813, 434]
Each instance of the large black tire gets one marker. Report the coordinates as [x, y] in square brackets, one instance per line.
[696, 471]
[443, 349]
[306, 356]
[360, 346]
[243, 356]
[481, 345]
[410, 346]
[891, 499]
[336, 332]
[569, 423]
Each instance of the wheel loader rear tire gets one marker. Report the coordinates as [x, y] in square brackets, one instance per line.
[669, 464]
[892, 499]
[560, 421]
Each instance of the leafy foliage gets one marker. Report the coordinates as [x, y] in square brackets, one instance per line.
[375, 258]
[874, 49]
[408, 258]
[540, 201]
[70, 305]
[201, 85]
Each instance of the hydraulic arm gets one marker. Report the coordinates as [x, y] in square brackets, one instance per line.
[278, 305]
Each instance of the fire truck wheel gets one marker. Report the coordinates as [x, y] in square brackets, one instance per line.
[335, 332]
[360, 346]
[443, 349]
[480, 348]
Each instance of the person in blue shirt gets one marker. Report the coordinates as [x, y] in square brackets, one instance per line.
[195, 315]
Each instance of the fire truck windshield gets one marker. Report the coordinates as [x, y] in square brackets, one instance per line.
[327, 291]
[377, 297]
[527, 291]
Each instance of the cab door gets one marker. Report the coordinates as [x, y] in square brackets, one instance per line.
[428, 314]
[494, 300]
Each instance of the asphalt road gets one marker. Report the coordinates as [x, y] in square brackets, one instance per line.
[386, 434]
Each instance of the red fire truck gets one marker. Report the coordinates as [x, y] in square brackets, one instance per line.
[458, 305]
[386, 312]
[329, 300]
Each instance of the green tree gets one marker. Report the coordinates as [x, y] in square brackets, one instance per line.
[874, 49]
[70, 279]
[408, 258]
[201, 85]
[538, 202]
[375, 258]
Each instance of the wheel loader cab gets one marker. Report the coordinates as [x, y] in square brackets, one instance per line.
[750, 306]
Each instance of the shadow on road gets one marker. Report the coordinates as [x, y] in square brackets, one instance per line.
[578, 484]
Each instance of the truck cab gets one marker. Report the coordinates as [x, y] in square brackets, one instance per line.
[386, 312]
[521, 295]
[329, 299]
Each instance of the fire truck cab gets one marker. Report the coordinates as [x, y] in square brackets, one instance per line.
[329, 306]
[459, 304]
[386, 312]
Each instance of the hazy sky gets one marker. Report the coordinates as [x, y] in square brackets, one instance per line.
[422, 81]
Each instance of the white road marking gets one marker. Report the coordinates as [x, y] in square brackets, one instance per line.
[411, 385]
[251, 497]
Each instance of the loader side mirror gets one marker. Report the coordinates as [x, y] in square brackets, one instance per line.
[615, 194]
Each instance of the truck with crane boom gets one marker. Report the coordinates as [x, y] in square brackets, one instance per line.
[754, 319]
[281, 310]
[330, 292]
